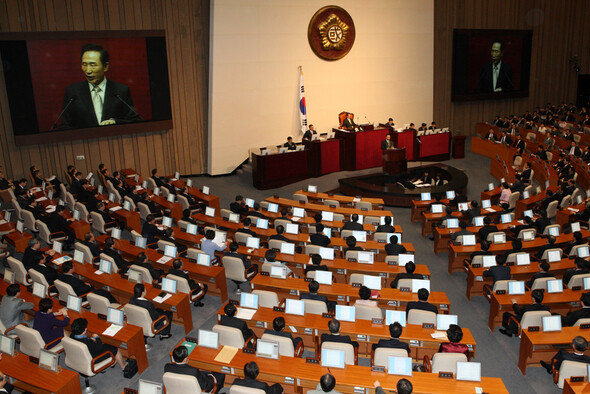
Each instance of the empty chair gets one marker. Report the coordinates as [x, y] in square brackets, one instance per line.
[418, 316]
[151, 184]
[579, 322]
[446, 362]
[383, 237]
[332, 203]
[31, 341]
[98, 223]
[230, 336]
[234, 270]
[490, 236]
[47, 236]
[311, 249]
[162, 244]
[30, 222]
[132, 205]
[577, 280]
[139, 316]
[393, 259]
[192, 253]
[83, 212]
[315, 307]
[100, 304]
[514, 197]
[300, 197]
[225, 213]
[285, 345]
[114, 267]
[499, 285]
[20, 273]
[242, 238]
[356, 277]
[541, 283]
[546, 253]
[275, 244]
[40, 278]
[568, 369]
[338, 217]
[346, 233]
[144, 210]
[267, 299]
[176, 383]
[238, 389]
[350, 352]
[70, 201]
[530, 319]
[365, 312]
[382, 354]
[552, 209]
[182, 224]
[372, 220]
[364, 205]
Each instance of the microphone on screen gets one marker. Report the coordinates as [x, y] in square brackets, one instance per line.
[70, 101]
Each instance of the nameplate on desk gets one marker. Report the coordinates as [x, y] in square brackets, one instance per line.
[293, 292]
[428, 325]
[358, 390]
[576, 288]
[310, 360]
[392, 262]
[405, 289]
[510, 263]
[191, 339]
[192, 260]
[585, 326]
[364, 209]
[341, 271]
[211, 280]
[362, 338]
[248, 351]
[341, 298]
[101, 316]
[476, 265]
[383, 274]
[299, 266]
[352, 260]
[289, 380]
[278, 309]
[574, 303]
[225, 369]
[156, 286]
[377, 368]
[127, 390]
[260, 324]
[308, 331]
[356, 284]
[332, 206]
[275, 195]
[381, 241]
[64, 303]
[34, 360]
[276, 250]
[160, 251]
[235, 302]
[309, 279]
[414, 343]
[264, 273]
[301, 201]
[500, 292]
[242, 243]
[469, 346]
[444, 307]
[327, 315]
[376, 320]
[534, 328]
[445, 375]
[479, 278]
[392, 303]
[577, 378]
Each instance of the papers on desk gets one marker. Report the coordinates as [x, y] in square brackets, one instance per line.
[439, 335]
[492, 210]
[226, 354]
[41, 199]
[573, 209]
[293, 329]
[50, 208]
[98, 272]
[62, 260]
[164, 259]
[36, 189]
[295, 219]
[112, 330]
[138, 188]
[51, 178]
[160, 227]
[245, 313]
[356, 199]
[113, 209]
[159, 299]
[478, 390]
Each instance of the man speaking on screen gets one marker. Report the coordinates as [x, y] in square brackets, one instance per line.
[495, 76]
[96, 101]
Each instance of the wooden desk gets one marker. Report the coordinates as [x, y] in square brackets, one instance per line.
[18, 240]
[349, 200]
[361, 149]
[570, 387]
[174, 207]
[302, 376]
[420, 206]
[280, 169]
[430, 218]
[565, 215]
[211, 200]
[347, 212]
[347, 294]
[324, 156]
[33, 378]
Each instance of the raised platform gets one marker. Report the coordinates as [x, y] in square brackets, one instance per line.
[389, 188]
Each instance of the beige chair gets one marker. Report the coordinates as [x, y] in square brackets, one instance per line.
[383, 237]
[285, 345]
[567, 370]
[8, 331]
[547, 228]
[98, 223]
[514, 197]
[225, 213]
[234, 270]
[39, 278]
[350, 352]
[65, 289]
[88, 257]
[365, 312]
[183, 286]
[192, 253]
[237, 389]
[30, 222]
[517, 162]
[83, 212]
[364, 205]
[541, 283]
[131, 203]
[312, 249]
[552, 209]
[300, 197]
[47, 236]
[566, 202]
[146, 276]
[79, 359]
[444, 362]
[275, 244]
[574, 250]
[20, 273]
[139, 316]
[331, 203]
[338, 217]
[372, 220]
[577, 281]
[393, 259]
[70, 201]
[31, 341]
[176, 383]
[114, 267]
[408, 282]
[529, 319]
[242, 238]
[162, 244]
[281, 222]
[490, 237]
[144, 211]
[356, 277]
[151, 184]
[381, 355]
[419, 317]
[164, 192]
[267, 299]
[17, 209]
[512, 256]
[579, 322]
[100, 304]
[231, 336]
[182, 224]
[315, 307]
[546, 252]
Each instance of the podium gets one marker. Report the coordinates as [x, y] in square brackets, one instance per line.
[394, 161]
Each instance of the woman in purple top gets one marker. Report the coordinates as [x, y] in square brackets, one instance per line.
[455, 335]
[47, 323]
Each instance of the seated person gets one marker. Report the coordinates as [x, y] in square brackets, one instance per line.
[48, 272]
[578, 240]
[109, 250]
[499, 271]
[365, 297]
[143, 262]
[256, 211]
[516, 248]
[278, 324]
[94, 344]
[351, 244]
[573, 316]
[12, 307]
[168, 236]
[485, 246]
[409, 274]
[56, 222]
[177, 271]
[580, 269]
[353, 224]
[395, 330]
[313, 287]
[319, 238]
[32, 249]
[290, 145]
[47, 323]
[139, 299]
[508, 325]
[463, 231]
[109, 222]
[422, 302]
[284, 212]
[207, 380]
[90, 242]
[239, 206]
[230, 320]
[78, 285]
[544, 268]
[187, 217]
[279, 235]
[393, 248]
[233, 252]
[487, 228]
[550, 245]
[473, 210]
[150, 231]
[246, 229]
[316, 264]
[157, 179]
[270, 257]
[387, 227]
[210, 247]
[579, 345]
[334, 335]
[251, 372]
[528, 224]
[455, 335]
[326, 385]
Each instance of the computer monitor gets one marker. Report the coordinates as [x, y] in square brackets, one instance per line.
[551, 323]
[57, 247]
[404, 258]
[167, 221]
[206, 190]
[490, 186]
[272, 207]
[327, 253]
[8, 276]
[555, 286]
[470, 371]
[156, 191]
[7, 345]
[312, 189]
[418, 284]
[204, 259]
[450, 194]
[486, 204]
[323, 277]
[586, 283]
[553, 256]
[294, 307]
[115, 316]
[48, 360]
[208, 339]
[170, 251]
[523, 259]
[361, 236]
[453, 223]
[171, 197]
[515, 288]
[528, 235]
[76, 215]
[262, 223]
[327, 216]
[372, 282]
[478, 221]
[332, 358]
[463, 206]
[39, 290]
[399, 366]
[444, 321]
[499, 238]
[505, 218]
[249, 300]
[327, 232]
[528, 213]
[298, 212]
[365, 257]
[210, 211]
[525, 195]
[127, 205]
[278, 272]
[292, 228]
[74, 303]
[425, 196]
[437, 208]
[116, 233]
[105, 266]
[575, 226]
[233, 218]
[144, 185]
[392, 316]
[345, 313]
[554, 231]
[267, 349]
[469, 240]
[135, 276]
[488, 261]
[583, 251]
[169, 285]
[287, 248]
[253, 242]
[250, 202]
[112, 197]
[7, 215]
[192, 229]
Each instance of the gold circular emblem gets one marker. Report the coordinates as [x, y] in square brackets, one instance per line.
[331, 32]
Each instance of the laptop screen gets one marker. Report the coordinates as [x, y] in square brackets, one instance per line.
[170, 251]
[444, 321]
[452, 223]
[298, 212]
[399, 366]
[437, 208]
[252, 242]
[365, 257]
[333, 358]
[506, 218]
[74, 303]
[478, 221]
[39, 290]
[210, 211]
[529, 213]
[450, 194]
[294, 307]
[115, 316]
[345, 313]
[463, 206]
[167, 221]
[57, 246]
[208, 339]
[528, 235]
[312, 189]
[323, 277]
[583, 251]
[278, 272]
[468, 240]
[515, 288]
[233, 218]
[404, 258]
[361, 236]
[206, 190]
[272, 207]
[134, 276]
[470, 371]
[486, 204]
[523, 259]
[499, 238]
[250, 202]
[575, 226]
[105, 266]
[7, 345]
[204, 259]
[488, 261]
[553, 256]
[395, 316]
[48, 360]
[554, 231]
[262, 223]
[372, 282]
[169, 285]
[267, 349]
[171, 197]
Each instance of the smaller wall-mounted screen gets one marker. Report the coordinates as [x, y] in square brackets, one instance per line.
[491, 64]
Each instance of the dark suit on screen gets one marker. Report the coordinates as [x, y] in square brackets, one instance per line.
[486, 78]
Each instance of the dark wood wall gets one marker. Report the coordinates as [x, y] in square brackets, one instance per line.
[183, 149]
[560, 29]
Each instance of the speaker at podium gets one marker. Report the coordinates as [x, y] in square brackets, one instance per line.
[395, 161]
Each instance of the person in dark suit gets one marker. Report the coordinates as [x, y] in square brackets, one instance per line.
[79, 287]
[582, 313]
[528, 224]
[90, 242]
[348, 122]
[395, 330]
[495, 76]
[251, 372]
[233, 252]
[579, 345]
[526, 173]
[109, 222]
[150, 231]
[487, 228]
[463, 231]
[230, 320]
[239, 206]
[35, 208]
[32, 250]
[550, 245]
[409, 274]
[353, 224]
[47, 271]
[387, 143]
[499, 271]
[580, 269]
[142, 261]
[519, 144]
[334, 335]
[393, 248]
[505, 138]
[278, 324]
[207, 380]
[57, 223]
[96, 101]
[109, 250]
[485, 250]
[573, 150]
[386, 227]
[490, 135]
[544, 268]
[246, 229]
[94, 344]
[309, 133]
[279, 235]
[256, 211]
[422, 302]
[313, 288]
[319, 238]
[351, 244]
[455, 335]
[177, 270]
[168, 236]
[316, 264]
[47, 323]
[473, 210]
[290, 145]
[139, 299]
[76, 186]
[509, 327]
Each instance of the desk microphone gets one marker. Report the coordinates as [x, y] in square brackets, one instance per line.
[70, 101]
[128, 106]
[368, 121]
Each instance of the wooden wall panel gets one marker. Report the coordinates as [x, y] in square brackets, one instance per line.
[183, 149]
[560, 30]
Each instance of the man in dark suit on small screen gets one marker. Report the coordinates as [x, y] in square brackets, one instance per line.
[96, 101]
[495, 76]
[387, 143]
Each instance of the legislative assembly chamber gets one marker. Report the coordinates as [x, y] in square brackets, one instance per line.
[279, 196]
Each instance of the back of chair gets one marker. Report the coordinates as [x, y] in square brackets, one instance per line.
[225, 213]
[146, 276]
[237, 389]
[501, 285]
[364, 205]
[365, 312]
[44, 232]
[78, 356]
[356, 277]
[162, 244]
[64, 289]
[582, 321]
[234, 268]
[242, 238]
[312, 249]
[144, 210]
[30, 220]
[20, 273]
[285, 344]
[533, 319]
[347, 347]
[541, 283]
[281, 222]
[38, 277]
[552, 209]
[331, 203]
[131, 203]
[547, 228]
[151, 184]
[114, 267]
[577, 280]
[381, 237]
[374, 220]
[192, 253]
[546, 253]
[566, 201]
[514, 197]
[275, 244]
[31, 341]
[571, 368]
[177, 383]
[447, 362]
[83, 211]
[315, 307]
[338, 217]
[139, 316]
[512, 256]
[345, 233]
[419, 316]
[382, 355]
[98, 303]
[300, 197]
[182, 285]
[406, 282]
[97, 222]
[393, 259]
[267, 299]
[70, 201]
[229, 336]
[88, 257]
